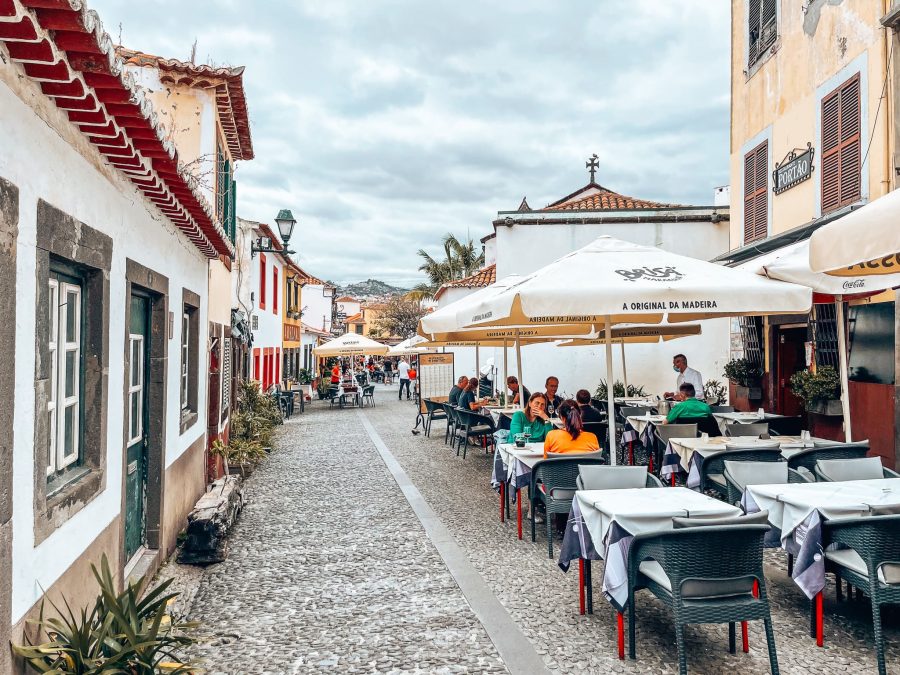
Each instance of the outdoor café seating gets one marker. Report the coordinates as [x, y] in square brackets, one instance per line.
[435, 412]
[808, 458]
[861, 468]
[870, 561]
[685, 569]
[553, 484]
[602, 477]
[368, 395]
[739, 474]
[712, 466]
[450, 431]
[754, 429]
[663, 434]
[721, 408]
[471, 425]
[786, 426]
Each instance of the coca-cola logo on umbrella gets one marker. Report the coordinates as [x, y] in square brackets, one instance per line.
[652, 274]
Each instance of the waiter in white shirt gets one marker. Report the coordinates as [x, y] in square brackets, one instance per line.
[685, 374]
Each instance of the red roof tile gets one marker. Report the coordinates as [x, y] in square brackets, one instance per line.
[227, 82]
[602, 199]
[61, 45]
[346, 298]
[483, 277]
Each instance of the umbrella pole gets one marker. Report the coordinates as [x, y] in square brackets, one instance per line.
[504, 388]
[624, 371]
[610, 398]
[522, 400]
[842, 361]
[477, 372]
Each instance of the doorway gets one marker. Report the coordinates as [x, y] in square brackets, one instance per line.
[136, 465]
[790, 359]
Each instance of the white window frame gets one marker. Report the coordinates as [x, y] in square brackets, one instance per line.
[136, 388]
[61, 344]
[185, 358]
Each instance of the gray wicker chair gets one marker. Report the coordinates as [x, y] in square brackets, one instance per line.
[368, 394]
[553, 483]
[712, 467]
[739, 474]
[754, 429]
[450, 431]
[686, 570]
[808, 458]
[435, 412]
[872, 562]
[721, 408]
[592, 477]
[787, 426]
[861, 468]
[472, 425]
[664, 432]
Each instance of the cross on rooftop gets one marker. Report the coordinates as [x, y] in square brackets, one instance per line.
[592, 165]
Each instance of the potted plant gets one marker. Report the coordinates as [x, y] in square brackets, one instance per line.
[619, 390]
[746, 376]
[820, 391]
[240, 455]
[714, 392]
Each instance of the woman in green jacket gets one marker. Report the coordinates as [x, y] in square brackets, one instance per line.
[532, 420]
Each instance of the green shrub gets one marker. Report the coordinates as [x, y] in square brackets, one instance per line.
[743, 372]
[619, 390]
[816, 387]
[713, 390]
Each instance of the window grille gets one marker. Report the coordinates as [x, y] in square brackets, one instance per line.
[751, 336]
[226, 373]
[823, 330]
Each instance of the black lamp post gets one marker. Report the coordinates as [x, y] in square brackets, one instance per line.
[285, 221]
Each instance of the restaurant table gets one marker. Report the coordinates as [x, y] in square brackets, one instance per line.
[349, 392]
[743, 418]
[797, 510]
[512, 471]
[614, 517]
[501, 416]
[635, 402]
[640, 427]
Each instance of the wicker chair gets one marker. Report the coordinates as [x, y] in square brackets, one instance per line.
[738, 475]
[686, 570]
[472, 425]
[721, 408]
[755, 429]
[712, 467]
[808, 458]
[368, 394]
[708, 425]
[664, 432]
[332, 396]
[786, 426]
[872, 562]
[450, 431]
[861, 468]
[435, 412]
[592, 477]
[553, 483]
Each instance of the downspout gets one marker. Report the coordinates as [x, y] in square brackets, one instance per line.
[887, 180]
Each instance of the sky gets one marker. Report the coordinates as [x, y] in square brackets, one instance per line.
[385, 124]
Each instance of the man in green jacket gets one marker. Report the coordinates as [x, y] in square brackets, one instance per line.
[690, 408]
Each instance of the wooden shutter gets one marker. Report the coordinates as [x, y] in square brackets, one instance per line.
[841, 161]
[754, 26]
[756, 197]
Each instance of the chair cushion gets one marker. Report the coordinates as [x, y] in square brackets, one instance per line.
[653, 570]
[600, 477]
[888, 573]
[717, 478]
[696, 589]
[758, 518]
[562, 494]
[862, 468]
[743, 474]
[480, 429]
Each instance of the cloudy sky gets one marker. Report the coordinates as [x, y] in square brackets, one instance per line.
[384, 124]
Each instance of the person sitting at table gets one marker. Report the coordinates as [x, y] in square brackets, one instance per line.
[469, 400]
[553, 399]
[458, 389]
[512, 382]
[571, 438]
[589, 414]
[690, 408]
[685, 374]
[532, 420]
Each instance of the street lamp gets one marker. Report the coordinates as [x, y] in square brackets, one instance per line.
[285, 221]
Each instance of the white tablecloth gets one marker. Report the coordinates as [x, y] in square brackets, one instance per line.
[743, 418]
[520, 461]
[496, 413]
[686, 447]
[640, 422]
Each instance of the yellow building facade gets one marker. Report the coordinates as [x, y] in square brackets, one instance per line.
[292, 327]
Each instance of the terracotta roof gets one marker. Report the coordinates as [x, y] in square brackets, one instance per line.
[61, 45]
[346, 298]
[308, 279]
[600, 200]
[483, 277]
[306, 328]
[228, 83]
[356, 318]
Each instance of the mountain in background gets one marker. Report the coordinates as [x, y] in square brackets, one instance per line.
[370, 289]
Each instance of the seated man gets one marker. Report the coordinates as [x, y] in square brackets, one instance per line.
[458, 389]
[517, 392]
[554, 400]
[589, 413]
[469, 400]
[690, 408]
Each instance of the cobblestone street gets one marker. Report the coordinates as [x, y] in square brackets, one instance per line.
[330, 568]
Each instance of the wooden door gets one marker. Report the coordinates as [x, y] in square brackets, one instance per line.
[136, 420]
[791, 358]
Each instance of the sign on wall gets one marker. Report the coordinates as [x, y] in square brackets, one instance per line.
[435, 377]
[796, 167]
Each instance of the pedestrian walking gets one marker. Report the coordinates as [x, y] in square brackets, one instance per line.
[403, 374]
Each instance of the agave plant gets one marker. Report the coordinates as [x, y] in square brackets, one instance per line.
[122, 633]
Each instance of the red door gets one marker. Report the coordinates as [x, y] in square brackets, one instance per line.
[791, 356]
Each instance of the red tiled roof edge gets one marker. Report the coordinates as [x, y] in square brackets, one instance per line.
[483, 277]
[61, 45]
[602, 200]
[231, 101]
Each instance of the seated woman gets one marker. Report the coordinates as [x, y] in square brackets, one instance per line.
[572, 438]
[533, 420]
[690, 409]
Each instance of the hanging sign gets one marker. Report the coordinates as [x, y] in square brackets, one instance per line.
[796, 167]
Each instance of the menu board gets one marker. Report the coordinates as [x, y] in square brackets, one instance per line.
[435, 377]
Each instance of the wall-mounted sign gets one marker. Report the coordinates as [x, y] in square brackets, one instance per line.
[796, 167]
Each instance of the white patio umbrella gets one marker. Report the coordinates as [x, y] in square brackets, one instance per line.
[351, 344]
[611, 281]
[791, 263]
[864, 242]
[412, 345]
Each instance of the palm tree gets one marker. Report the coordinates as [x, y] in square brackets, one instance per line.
[461, 260]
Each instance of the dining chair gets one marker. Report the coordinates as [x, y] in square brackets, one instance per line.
[787, 426]
[871, 562]
[686, 570]
[721, 408]
[602, 477]
[600, 430]
[739, 474]
[473, 425]
[368, 394]
[553, 483]
[450, 431]
[808, 458]
[435, 412]
[712, 466]
[708, 425]
[663, 434]
[753, 429]
[860, 468]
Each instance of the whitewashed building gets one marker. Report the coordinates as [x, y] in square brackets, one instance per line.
[526, 239]
[104, 263]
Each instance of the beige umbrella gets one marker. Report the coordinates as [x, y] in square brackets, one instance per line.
[611, 281]
[864, 242]
[351, 344]
[413, 345]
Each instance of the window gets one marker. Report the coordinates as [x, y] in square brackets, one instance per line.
[225, 191]
[871, 343]
[262, 280]
[66, 369]
[256, 364]
[226, 374]
[763, 29]
[751, 338]
[274, 290]
[185, 357]
[823, 333]
[190, 358]
[136, 389]
[841, 139]
[756, 195]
